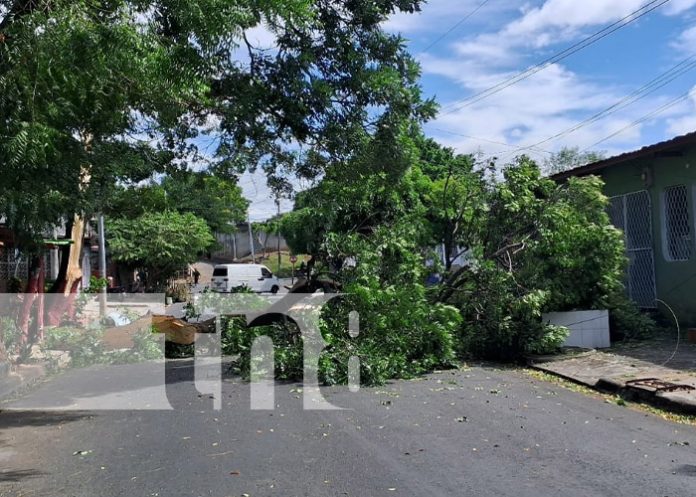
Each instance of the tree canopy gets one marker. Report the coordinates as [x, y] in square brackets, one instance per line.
[570, 158]
[161, 243]
[95, 93]
[530, 245]
[217, 200]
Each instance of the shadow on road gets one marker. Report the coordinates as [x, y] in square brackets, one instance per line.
[18, 475]
[16, 419]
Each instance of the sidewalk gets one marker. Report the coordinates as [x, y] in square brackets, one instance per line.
[19, 378]
[656, 371]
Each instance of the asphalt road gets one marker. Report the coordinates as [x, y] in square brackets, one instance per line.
[481, 432]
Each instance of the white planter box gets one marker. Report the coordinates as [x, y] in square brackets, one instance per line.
[588, 329]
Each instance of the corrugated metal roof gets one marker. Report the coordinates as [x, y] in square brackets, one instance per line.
[679, 141]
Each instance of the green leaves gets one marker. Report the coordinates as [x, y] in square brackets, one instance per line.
[87, 86]
[219, 201]
[161, 243]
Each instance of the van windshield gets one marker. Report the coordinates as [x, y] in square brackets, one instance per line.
[220, 271]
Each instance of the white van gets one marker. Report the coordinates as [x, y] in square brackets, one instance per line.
[256, 277]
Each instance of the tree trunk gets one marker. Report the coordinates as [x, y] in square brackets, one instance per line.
[35, 269]
[3, 352]
[40, 317]
[71, 271]
[69, 282]
[59, 285]
[74, 270]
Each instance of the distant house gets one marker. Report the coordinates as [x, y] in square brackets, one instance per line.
[653, 201]
[15, 264]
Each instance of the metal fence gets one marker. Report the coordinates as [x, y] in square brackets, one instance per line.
[632, 214]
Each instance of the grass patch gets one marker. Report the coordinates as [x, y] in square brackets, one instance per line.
[685, 419]
[285, 270]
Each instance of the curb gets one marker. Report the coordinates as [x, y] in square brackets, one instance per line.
[20, 379]
[5, 369]
[543, 359]
[670, 401]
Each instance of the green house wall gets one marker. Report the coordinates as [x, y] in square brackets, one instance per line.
[675, 281]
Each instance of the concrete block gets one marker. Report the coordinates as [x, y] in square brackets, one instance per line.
[588, 329]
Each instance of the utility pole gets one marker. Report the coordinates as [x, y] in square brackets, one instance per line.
[251, 240]
[278, 233]
[102, 265]
[234, 244]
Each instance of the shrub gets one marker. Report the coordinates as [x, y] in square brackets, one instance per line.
[86, 347]
[626, 321]
[288, 347]
[10, 333]
[401, 335]
[84, 344]
[502, 321]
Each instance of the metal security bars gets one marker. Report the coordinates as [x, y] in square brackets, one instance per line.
[11, 266]
[632, 214]
[676, 223]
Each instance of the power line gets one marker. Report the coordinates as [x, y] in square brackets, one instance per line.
[651, 86]
[644, 118]
[584, 43]
[633, 97]
[450, 30]
[476, 138]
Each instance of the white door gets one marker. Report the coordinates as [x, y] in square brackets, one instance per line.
[267, 282]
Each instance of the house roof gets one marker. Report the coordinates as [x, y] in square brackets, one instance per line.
[647, 151]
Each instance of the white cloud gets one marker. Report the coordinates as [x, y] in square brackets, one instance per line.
[438, 16]
[571, 14]
[549, 23]
[261, 37]
[532, 111]
[687, 41]
[686, 123]
[552, 100]
[678, 6]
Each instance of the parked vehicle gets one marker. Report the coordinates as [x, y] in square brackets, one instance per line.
[256, 277]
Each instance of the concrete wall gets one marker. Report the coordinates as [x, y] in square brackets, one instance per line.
[588, 329]
[675, 280]
[236, 245]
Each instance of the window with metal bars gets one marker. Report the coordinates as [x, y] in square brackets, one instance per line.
[676, 223]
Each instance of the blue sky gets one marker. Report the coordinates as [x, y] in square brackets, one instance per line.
[505, 37]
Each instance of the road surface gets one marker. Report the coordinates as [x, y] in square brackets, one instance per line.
[479, 432]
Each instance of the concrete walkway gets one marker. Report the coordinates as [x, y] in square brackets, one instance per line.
[630, 369]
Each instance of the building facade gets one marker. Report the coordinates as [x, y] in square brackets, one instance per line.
[652, 195]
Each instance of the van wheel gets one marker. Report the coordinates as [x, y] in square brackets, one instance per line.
[275, 289]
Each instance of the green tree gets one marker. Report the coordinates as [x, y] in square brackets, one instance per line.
[160, 243]
[570, 158]
[540, 247]
[217, 200]
[453, 194]
[532, 245]
[95, 93]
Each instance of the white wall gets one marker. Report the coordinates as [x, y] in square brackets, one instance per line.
[588, 329]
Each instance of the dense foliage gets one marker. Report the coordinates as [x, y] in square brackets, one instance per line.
[570, 158]
[537, 247]
[98, 93]
[217, 200]
[158, 243]
[514, 245]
